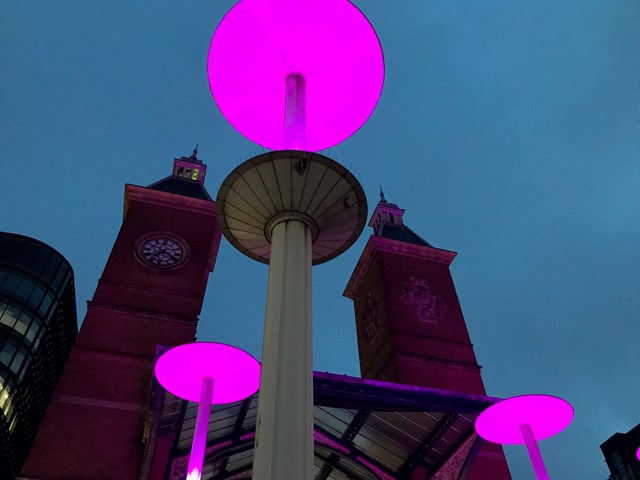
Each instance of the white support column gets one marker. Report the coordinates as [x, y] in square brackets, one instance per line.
[284, 432]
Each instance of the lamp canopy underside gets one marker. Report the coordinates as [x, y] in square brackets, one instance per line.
[291, 184]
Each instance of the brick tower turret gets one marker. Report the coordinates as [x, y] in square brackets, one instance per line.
[150, 294]
[410, 326]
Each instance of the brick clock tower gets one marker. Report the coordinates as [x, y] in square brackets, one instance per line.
[409, 322]
[150, 294]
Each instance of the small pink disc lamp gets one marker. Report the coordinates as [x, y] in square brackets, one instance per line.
[638, 453]
[525, 419]
[190, 372]
[296, 75]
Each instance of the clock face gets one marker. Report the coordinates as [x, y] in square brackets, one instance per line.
[162, 252]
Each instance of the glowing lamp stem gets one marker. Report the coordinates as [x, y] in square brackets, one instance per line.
[534, 453]
[294, 112]
[196, 459]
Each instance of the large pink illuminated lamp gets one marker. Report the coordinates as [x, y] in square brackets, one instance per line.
[525, 419]
[296, 75]
[208, 373]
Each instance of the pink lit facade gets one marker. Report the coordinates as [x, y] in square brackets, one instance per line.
[409, 322]
[94, 426]
[96, 422]
[328, 43]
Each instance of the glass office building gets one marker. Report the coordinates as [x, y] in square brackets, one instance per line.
[38, 325]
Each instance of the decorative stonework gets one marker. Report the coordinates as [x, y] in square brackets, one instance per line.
[452, 468]
[423, 300]
[370, 319]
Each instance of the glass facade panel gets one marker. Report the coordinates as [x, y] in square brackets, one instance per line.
[24, 364]
[33, 329]
[25, 288]
[40, 262]
[33, 342]
[61, 277]
[8, 349]
[11, 283]
[8, 410]
[36, 296]
[5, 397]
[18, 359]
[27, 254]
[51, 269]
[22, 324]
[12, 424]
[46, 303]
[39, 336]
[9, 317]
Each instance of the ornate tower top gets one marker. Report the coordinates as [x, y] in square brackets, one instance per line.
[187, 178]
[190, 167]
[387, 222]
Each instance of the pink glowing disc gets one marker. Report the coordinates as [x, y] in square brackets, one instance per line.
[545, 414]
[235, 373]
[638, 453]
[330, 43]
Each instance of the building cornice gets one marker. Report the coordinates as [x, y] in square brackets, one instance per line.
[135, 193]
[376, 244]
[127, 311]
[440, 361]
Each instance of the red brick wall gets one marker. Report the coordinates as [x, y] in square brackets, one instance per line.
[93, 428]
[432, 350]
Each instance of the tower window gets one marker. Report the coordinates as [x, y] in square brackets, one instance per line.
[194, 176]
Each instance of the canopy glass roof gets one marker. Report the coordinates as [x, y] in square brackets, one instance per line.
[364, 429]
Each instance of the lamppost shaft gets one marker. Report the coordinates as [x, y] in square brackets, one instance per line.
[196, 459]
[534, 453]
[284, 431]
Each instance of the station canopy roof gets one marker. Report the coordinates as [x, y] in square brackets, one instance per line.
[364, 430]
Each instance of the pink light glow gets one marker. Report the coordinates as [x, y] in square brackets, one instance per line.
[638, 453]
[196, 459]
[534, 453]
[545, 414]
[194, 474]
[236, 374]
[330, 43]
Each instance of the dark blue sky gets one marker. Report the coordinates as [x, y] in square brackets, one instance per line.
[508, 130]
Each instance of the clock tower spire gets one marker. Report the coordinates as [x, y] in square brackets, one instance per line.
[150, 294]
[409, 322]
